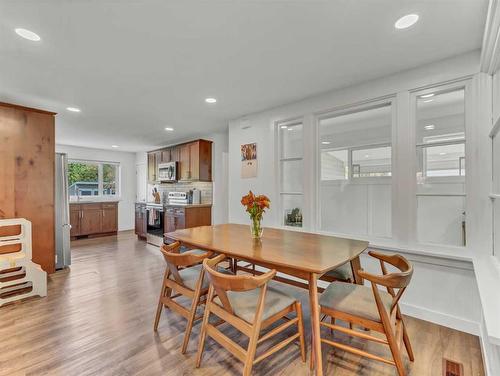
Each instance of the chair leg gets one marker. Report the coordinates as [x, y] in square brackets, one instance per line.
[252, 348]
[192, 313]
[203, 333]
[165, 291]
[332, 321]
[300, 324]
[396, 355]
[406, 341]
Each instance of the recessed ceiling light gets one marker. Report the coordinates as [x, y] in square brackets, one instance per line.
[283, 127]
[442, 153]
[367, 156]
[406, 21]
[73, 109]
[169, 129]
[115, 146]
[428, 100]
[427, 95]
[290, 129]
[430, 127]
[27, 34]
[210, 100]
[325, 142]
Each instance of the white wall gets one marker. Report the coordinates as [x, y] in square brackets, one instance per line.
[443, 290]
[127, 177]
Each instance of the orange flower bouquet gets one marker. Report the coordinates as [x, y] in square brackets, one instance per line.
[256, 207]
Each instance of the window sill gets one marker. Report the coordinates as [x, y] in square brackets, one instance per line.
[435, 254]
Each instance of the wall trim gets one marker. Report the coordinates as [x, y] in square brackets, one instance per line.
[490, 51]
[440, 318]
[490, 352]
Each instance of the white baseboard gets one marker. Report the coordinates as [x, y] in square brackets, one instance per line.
[440, 318]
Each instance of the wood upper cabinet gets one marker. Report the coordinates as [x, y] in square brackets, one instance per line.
[93, 218]
[184, 162]
[165, 156]
[195, 161]
[152, 167]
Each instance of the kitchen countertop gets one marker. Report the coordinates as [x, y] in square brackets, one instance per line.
[175, 205]
[94, 202]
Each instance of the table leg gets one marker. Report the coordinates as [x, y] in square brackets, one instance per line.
[356, 265]
[315, 332]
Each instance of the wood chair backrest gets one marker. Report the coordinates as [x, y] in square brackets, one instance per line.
[175, 259]
[227, 282]
[397, 280]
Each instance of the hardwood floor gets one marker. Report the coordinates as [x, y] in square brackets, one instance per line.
[98, 320]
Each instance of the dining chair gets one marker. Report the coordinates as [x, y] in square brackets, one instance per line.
[371, 308]
[343, 273]
[247, 303]
[184, 274]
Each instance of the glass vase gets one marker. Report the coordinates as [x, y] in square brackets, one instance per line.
[256, 228]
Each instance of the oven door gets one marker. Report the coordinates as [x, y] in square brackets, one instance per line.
[155, 225]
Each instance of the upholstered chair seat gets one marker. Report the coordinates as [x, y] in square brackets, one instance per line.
[245, 303]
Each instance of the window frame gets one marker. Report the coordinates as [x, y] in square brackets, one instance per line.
[100, 180]
[390, 101]
[460, 84]
[279, 161]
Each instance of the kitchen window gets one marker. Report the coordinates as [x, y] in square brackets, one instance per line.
[91, 179]
[355, 185]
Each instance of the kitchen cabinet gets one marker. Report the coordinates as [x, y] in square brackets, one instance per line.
[109, 218]
[140, 220]
[90, 219]
[74, 220]
[93, 219]
[195, 160]
[184, 162]
[169, 155]
[180, 217]
[153, 159]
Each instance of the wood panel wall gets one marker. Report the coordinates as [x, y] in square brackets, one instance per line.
[27, 152]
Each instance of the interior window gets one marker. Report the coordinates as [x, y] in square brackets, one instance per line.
[355, 180]
[440, 136]
[291, 170]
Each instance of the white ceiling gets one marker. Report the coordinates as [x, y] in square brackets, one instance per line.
[135, 67]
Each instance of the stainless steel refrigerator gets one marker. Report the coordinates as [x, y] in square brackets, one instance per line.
[63, 227]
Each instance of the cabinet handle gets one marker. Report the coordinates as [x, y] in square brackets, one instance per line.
[81, 214]
[103, 213]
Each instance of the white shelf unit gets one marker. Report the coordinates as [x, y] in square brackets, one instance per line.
[20, 277]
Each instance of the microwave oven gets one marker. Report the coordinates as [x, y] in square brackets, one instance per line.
[167, 172]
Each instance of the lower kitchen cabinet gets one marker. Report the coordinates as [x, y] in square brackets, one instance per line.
[93, 219]
[179, 217]
[141, 225]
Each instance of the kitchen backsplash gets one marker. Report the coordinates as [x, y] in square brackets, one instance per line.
[205, 188]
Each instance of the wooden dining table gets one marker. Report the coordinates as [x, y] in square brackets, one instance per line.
[299, 254]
